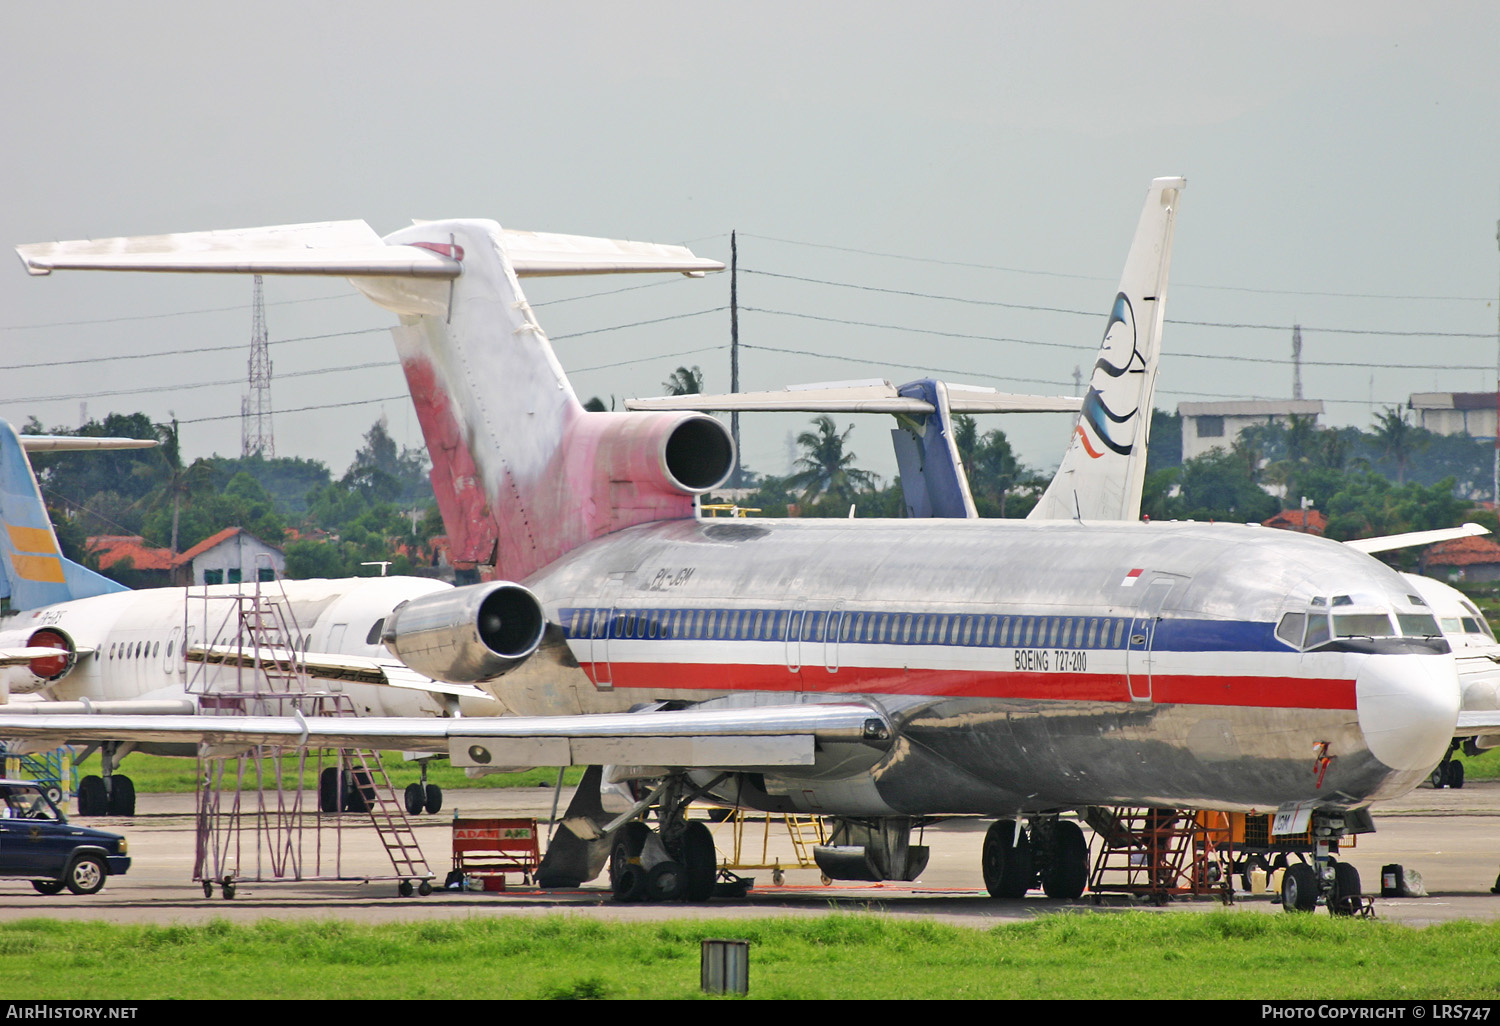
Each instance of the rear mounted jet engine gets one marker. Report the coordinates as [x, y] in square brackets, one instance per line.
[664, 452]
[468, 635]
[45, 670]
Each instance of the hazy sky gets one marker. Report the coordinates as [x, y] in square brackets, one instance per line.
[898, 174]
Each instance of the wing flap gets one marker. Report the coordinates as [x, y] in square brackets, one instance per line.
[332, 666]
[1473, 722]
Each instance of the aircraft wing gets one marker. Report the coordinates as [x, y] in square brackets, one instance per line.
[21, 656]
[859, 397]
[1472, 722]
[1414, 538]
[333, 666]
[767, 736]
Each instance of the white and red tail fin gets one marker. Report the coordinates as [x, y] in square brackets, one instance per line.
[522, 472]
[1104, 469]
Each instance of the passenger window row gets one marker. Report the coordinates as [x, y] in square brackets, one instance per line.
[848, 627]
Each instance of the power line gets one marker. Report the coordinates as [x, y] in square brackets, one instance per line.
[44, 364]
[1099, 314]
[1086, 277]
[178, 387]
[238, 307]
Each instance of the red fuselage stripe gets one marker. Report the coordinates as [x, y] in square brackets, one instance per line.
[1187, 689]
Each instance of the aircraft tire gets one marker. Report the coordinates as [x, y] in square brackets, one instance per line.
[626, 877]
[414, 797]
[666, 881]
[433, 800]
[122, 798]
[92, 799]
[1455, 775]
[701, 862]
[86, 875]
[359, 791]
[1007, 865]
[48, 886]
[328, 790]
[1299, 888]
[1345, 887]
[1067, 869]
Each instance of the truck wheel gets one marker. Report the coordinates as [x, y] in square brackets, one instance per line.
[86, 875]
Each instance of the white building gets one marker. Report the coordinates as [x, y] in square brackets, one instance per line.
[1455, 413]
[1208, 426]
[232, 556]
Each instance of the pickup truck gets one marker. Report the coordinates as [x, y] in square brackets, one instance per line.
[37, 843]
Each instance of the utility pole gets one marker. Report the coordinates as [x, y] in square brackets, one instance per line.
[734, 350]
[256, 434]
[1296, 361]
[1497, 395]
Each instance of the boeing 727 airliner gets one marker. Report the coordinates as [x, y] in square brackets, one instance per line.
[880, 672]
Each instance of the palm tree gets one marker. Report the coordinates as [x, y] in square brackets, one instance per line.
[1398, 439]
[684, 381]
[174, 482]
[825, 468]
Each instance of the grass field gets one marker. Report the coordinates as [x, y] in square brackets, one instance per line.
[1221, 954]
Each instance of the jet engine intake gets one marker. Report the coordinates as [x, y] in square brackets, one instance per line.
[468, 635]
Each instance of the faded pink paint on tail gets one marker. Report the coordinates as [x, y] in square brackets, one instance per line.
[523, 474]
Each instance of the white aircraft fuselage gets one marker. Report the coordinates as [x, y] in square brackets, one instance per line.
[131, 647]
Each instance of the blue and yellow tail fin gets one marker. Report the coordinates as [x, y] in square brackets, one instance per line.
[33, 570]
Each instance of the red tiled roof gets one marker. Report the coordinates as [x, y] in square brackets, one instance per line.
[208, 543]
[112, 548]
[1464, 552]
[1310, 521]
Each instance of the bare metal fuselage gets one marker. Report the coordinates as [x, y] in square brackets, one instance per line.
[1026, 665]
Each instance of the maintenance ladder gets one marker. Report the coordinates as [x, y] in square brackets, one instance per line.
[271, 679]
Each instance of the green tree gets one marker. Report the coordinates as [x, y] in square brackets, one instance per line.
[173, 484]
[684, 381]
[1398, 439]
[826, 469]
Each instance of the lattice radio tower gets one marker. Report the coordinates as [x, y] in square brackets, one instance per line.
[256, 433]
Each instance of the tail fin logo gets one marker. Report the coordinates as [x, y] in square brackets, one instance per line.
[1111, 386]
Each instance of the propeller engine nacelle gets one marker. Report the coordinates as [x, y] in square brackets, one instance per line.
[468, 635]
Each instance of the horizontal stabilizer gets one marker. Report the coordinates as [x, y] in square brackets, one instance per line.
[350, 249]
[1413, 539]
[333, 666]
[543, 254]
[860, 397]
[81, 443]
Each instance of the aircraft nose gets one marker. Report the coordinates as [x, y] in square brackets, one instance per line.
[1408, 705]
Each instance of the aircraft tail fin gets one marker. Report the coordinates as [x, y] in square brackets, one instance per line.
[1103, 471]
[522, 473]
[33, 570]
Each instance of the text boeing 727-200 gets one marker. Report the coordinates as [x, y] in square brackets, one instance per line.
[882, 672]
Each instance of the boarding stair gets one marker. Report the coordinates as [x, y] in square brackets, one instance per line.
[1161, 853]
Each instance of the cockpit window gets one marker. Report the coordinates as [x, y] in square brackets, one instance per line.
[1416, 600]
[1290, 628]
[1362, 625]
[1476, 626]
[1417, 625]
[1317, 630]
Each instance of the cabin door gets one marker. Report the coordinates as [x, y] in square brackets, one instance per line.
[1139, 654]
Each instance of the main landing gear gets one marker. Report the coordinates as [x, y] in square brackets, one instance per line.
[674, 862]
[113, 794]
[1054, 855]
